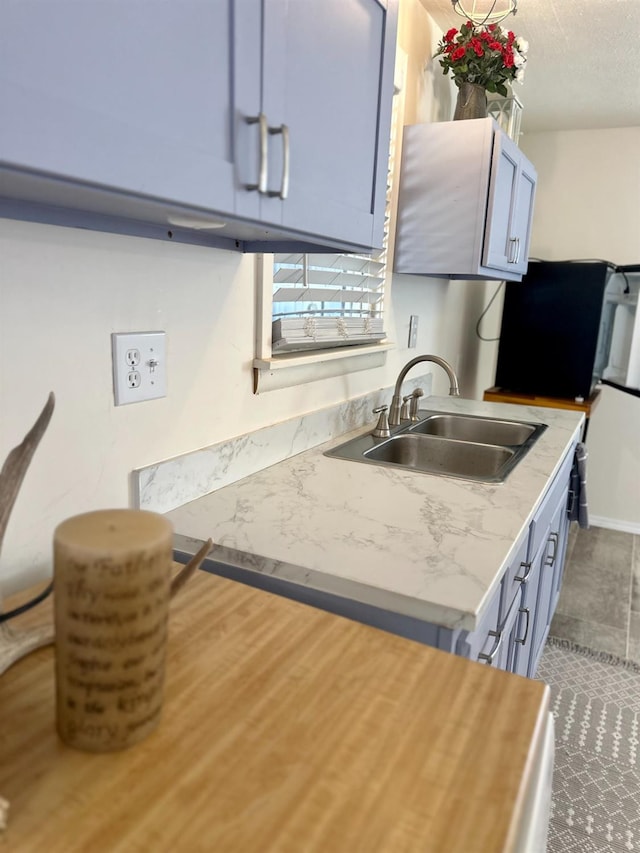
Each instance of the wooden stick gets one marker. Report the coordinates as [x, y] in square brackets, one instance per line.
[194, 563]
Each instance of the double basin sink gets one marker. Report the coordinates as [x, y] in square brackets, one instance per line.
[448, 444]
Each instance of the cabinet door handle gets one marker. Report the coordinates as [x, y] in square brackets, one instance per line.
[551, 558]
[511, 255]
[526, 630]
[261, 121]
[517, 250]
[525, 577]
[494, 651]
[283, 192]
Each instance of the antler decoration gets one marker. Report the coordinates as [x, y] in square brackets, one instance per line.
[14, 644]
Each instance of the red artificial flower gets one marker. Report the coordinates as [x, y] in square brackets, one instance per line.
[491, 27]
[511, 37]
[458, 53]
[448, 48]
[495, 45]
[507, 56]
[450, 35]
[477, 46]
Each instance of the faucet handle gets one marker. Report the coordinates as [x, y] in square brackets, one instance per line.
[404, 411]
[415, 402]
[381, 429]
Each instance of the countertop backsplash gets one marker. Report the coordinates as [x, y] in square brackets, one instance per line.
[171, 483]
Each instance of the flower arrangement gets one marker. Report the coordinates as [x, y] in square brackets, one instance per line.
[489, 56]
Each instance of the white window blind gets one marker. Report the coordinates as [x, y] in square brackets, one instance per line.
[332, 300]
[324, 301]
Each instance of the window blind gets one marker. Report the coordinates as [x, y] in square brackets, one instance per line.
[324, 301]
[332, 300]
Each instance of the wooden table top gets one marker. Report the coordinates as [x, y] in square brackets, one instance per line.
[286, 729]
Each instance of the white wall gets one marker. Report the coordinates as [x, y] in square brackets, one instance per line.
[588, 196]
[588, 206]
[63, 291]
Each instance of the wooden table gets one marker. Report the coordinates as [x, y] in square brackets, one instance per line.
[285, 729]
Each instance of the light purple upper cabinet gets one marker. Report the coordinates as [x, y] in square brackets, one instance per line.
[272, 116]
[133, 96]
[465, 205]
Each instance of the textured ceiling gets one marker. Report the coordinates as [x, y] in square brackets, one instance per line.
[583, 68]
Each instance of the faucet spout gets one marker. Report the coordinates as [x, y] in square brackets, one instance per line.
[396, 402]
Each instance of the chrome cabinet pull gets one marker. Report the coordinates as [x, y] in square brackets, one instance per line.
[511, 255]
[494, 651]
[261, 121]
[283, 192]
[551, 558]
[526, 630]
[517, 250]
[525, 577]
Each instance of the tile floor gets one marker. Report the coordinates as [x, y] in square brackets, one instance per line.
[599, 604]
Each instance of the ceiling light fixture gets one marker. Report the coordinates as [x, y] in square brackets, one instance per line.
[485, 11]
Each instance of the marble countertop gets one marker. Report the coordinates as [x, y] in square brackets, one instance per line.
[425, 546]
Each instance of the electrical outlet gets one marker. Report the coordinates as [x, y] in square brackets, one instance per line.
[139, 366]
[132, 357]
[134, 379]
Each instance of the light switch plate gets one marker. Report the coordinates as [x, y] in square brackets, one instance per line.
[413, 331]
[139, 366]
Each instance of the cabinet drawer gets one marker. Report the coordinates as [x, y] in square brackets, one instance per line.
[548, 507]
[514, 575]
[481, 640]
[499, 648]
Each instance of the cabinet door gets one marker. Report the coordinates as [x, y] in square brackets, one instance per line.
[527, 614]
[499, 246]
[558, 572]
[134, 96]
[522, 215]
[327, 92]
[510, 208]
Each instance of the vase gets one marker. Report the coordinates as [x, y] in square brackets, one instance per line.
[471, 102]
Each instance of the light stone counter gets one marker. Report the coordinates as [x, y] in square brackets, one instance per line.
[429, 547]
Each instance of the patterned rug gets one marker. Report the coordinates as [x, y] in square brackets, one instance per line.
[595, 699]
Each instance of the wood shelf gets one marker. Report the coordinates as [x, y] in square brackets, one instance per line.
[502, 395]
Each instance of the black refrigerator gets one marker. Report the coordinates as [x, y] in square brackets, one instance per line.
[556, 329]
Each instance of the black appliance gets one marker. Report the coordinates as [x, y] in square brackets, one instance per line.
[556, 331]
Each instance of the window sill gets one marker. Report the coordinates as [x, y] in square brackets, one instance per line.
[290, 369]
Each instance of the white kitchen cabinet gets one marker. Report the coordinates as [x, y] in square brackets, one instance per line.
[465, 202]
[248, 124]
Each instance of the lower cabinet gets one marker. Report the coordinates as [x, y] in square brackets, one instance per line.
[514, 626]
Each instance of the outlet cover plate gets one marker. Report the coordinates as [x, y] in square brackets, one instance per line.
[139, 366]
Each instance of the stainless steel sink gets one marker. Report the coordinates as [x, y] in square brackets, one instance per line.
[435, 456]
[472, 428]
[448, 445]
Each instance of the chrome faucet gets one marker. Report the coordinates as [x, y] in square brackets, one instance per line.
[396, 402]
